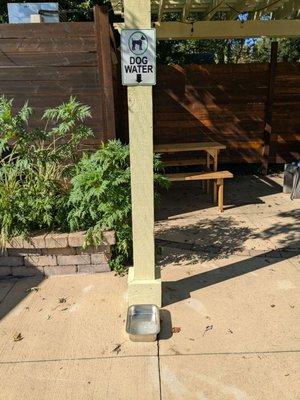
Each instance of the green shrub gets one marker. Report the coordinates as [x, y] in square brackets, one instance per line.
[36, 165]
[100, 198]
[45, 185]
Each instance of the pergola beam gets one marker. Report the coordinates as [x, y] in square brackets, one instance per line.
[239, 7]
[211, 7]
[208, 8]
[270, 8]
[211, 11]
[161, 10]
[186, 10]
[228, 29]
[225, 29]
[289, 8]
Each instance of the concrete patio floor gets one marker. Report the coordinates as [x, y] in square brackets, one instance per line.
[231, 288]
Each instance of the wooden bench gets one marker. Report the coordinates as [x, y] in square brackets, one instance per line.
[180, 147]
[217, 176]
[179, 162]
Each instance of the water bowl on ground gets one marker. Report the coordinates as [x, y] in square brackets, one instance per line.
[143, 324]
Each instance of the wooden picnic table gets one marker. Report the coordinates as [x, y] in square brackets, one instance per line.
[212, 150]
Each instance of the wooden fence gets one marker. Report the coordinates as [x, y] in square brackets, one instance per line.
[47, 63]
[227, 103]
[285, 137]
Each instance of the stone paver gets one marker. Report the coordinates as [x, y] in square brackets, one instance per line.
[90, 321]
[242, 304]
[231, 377]
[129, 378]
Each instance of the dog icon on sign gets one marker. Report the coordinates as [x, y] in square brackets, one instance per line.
[138, 43]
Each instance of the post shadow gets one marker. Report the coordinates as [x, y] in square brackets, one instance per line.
[175, 291]
[166, 325]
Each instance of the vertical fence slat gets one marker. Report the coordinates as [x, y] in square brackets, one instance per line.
[269, 147]
[102, 31]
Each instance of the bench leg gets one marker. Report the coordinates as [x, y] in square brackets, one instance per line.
[220, 186]
[215, 191]
[207, 183]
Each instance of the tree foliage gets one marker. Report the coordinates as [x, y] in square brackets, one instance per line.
[226, 51]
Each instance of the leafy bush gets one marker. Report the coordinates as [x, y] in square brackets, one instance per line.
[36, 165]
[100, 197]
[45, 185]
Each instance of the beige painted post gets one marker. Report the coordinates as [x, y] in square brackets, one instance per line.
[36, 18]
[144, 284]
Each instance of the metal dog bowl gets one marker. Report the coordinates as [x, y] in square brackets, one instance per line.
[143, 323]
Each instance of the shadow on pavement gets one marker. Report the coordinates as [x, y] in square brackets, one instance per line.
[187, 197]
[166, 325]
[176, 291]
[288, 247]
[202, 241]
[14, 289]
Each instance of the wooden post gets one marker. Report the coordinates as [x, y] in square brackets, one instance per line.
[215, 168]
[220, 189]
[144, 280]
[102, 32]
[36, 18]
[266, 153]
[208, 168]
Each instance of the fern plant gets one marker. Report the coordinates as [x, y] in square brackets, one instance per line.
[100, 198]
[36, 165]
[44, 184]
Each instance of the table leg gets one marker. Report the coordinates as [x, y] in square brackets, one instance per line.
[208, 168]
[215, 167]
[220, 186]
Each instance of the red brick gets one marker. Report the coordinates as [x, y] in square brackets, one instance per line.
[63, 251]
[33, 242]
[23, 252]
[61, 270]
[37, 242]
[56, 240]
[93, 250]
[76, 239]
[40, 261]
[7, 261]
[74, 260]
[98, 258]
[16, 242]
[109, 237]
[27, 271]
[93, 269]
[4, 271]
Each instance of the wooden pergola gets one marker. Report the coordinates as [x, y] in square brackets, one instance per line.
[218, 19]
[194, 19]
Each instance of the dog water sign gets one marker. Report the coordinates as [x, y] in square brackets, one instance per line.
[138, 57]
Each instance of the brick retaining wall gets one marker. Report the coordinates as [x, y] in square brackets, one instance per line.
[55, 254]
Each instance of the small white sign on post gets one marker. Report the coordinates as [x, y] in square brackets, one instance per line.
[138, 48]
